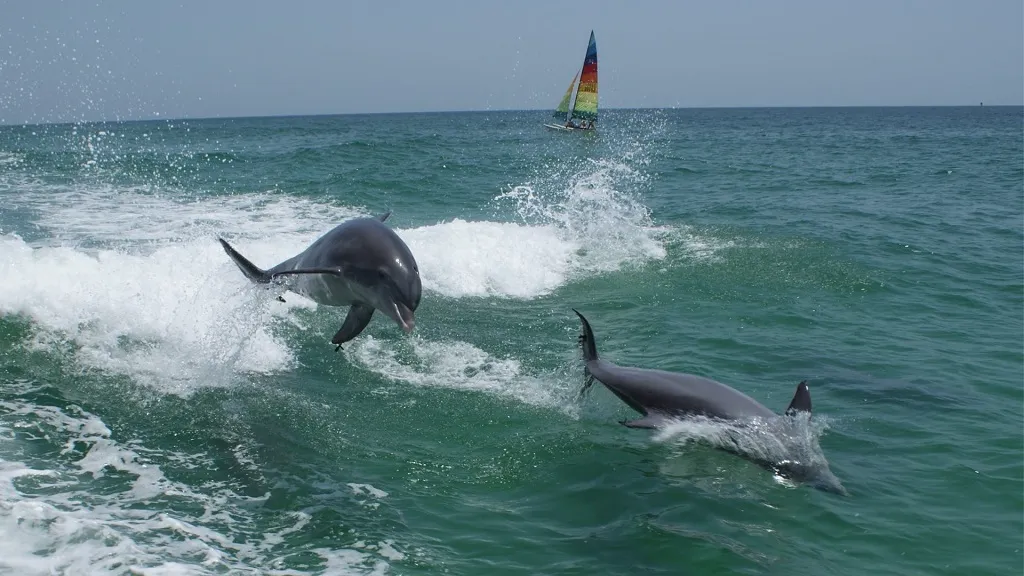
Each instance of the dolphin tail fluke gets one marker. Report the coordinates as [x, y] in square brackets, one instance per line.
[251, 271]
[587, 340]
[801, 400]
[589, 352]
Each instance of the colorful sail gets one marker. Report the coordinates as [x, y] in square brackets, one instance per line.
[586, 96]
[562, 112]
[584, 106]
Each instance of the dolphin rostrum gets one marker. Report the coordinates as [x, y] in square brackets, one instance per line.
[661, 397]
[361, 263]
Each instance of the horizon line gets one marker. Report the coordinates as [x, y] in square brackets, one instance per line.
[502, 110]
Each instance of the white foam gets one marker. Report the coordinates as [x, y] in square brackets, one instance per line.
[570, 226]
[766, 439]
[181, 316]
[604, 226]
[133, 281]
[9, 159]
[367, 489]
[75, 530]
[566, 231]
[339, 562]
[387, 550]
[782, 441]
[455, 364]
[176, 318]
[701, 247]
[123, 216]
[460, 258]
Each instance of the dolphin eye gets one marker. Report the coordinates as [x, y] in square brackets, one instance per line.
[382, 275]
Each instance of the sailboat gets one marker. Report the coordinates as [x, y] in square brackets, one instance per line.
[582, 94]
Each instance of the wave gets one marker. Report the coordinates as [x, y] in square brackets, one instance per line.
[173, 317]
[181, 317]
[137, 282]
[9, 159]
[134, 280]
[54, 521]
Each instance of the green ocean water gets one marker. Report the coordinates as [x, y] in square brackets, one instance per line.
[160, 415]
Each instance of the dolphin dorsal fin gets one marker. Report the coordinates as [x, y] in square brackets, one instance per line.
[801, 400]
[384, 216]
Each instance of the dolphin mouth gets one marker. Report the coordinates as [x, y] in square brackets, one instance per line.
[405, 317]
[829, 483]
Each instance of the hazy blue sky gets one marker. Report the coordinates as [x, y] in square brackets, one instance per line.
[84, 60]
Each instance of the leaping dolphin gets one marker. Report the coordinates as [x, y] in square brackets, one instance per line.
[662, 396]
[360, 263]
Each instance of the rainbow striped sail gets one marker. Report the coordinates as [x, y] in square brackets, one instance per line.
[584, 107]
[586, 96]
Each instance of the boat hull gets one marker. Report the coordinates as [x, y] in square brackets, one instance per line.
[566, 128]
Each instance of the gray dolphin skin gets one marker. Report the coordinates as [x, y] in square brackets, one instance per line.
[361, 263]
[661, 396]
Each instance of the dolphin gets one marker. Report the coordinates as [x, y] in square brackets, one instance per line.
[361, 263]
[661, 397]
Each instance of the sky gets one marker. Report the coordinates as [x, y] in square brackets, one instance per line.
[81, 60]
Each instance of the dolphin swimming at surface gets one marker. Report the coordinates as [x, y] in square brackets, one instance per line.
[662, 397]
[361, 263]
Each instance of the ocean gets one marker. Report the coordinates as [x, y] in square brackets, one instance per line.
[161, 415]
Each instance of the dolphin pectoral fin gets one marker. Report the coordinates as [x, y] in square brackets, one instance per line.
[384, 216]
[801, 400]
[649, 422]
[338, 271]
[357, 319]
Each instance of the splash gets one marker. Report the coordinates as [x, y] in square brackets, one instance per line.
[108, 215]
[607, 227]
[133, 278]
[175, 319]
[454, 364]
[788, 445]
[563, 232]
[181, 317]
[132, 281]
[701, 247]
